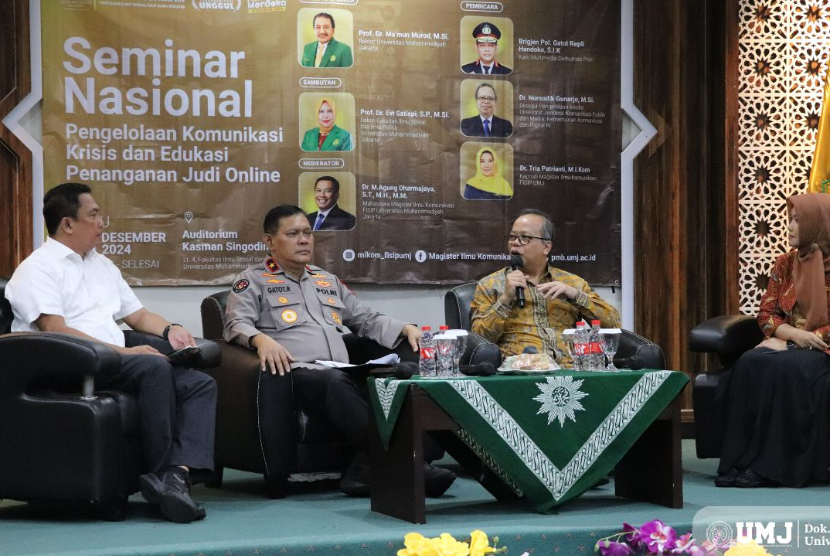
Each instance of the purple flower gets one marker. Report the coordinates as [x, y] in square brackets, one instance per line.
[684, 544]
[706, 549]
[632, 537]
[611, 548]
[657, 536]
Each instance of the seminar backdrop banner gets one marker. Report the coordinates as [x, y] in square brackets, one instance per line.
[191, 118]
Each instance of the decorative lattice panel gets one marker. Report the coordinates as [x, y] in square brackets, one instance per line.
[784, 46]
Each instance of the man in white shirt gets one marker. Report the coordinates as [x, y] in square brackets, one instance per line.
[66, 286]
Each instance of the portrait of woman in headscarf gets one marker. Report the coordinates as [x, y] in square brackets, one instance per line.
[488, 183]
[327, 136]
[777, 395]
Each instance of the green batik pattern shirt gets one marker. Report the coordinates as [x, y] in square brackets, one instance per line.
[541, 322]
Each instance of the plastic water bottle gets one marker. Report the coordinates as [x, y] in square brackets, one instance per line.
[426, 362]
[597, 359]
[581, 340]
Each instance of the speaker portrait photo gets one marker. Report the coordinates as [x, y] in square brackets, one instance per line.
[324, 123]
[491, 46]
[491, 164]
[485, 122]
[324, 51]
[320, 198]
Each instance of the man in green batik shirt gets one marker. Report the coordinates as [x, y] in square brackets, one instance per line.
[555, 299]
[327, 52]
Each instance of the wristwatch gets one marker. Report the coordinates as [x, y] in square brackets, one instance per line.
[167, 328]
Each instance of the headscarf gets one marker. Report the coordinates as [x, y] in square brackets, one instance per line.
[495, 184]
[813, 260]
[326, 130]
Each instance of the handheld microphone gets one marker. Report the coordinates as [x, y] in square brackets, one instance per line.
[516, 263]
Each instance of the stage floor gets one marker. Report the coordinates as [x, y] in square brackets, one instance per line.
[319, 520]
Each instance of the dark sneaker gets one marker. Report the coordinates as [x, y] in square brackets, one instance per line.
[750, 479]
[726, 480]
[355, 481]
[176, 503]
[152, 489]
[172, 493]
[437, 480]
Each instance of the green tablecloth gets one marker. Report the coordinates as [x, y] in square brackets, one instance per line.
[549, 437]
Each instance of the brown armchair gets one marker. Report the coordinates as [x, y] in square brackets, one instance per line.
[274, 439]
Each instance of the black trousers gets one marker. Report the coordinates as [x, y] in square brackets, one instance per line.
[177, 409]
[343, 398]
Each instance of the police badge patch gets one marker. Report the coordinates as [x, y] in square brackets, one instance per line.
[240, 286]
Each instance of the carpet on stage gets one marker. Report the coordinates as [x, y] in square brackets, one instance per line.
[317, 520]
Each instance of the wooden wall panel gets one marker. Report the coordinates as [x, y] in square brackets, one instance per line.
[15, 158]
[683, 244]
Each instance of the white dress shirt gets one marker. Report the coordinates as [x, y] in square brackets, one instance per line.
[88, 292]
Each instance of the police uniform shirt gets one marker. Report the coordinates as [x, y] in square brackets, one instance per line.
[88, 292]
[307, 316]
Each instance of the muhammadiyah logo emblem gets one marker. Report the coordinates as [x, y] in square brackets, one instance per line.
[289, 316]
[336, 142]
[333, 58]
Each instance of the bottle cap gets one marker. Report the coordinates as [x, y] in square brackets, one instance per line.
[426, 328]
[443, 327]
[595, 321]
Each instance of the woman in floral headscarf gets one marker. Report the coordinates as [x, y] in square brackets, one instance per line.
[327, 136]
[778, 394]
[488, 183]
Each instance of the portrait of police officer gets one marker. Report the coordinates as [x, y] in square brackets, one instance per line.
[294, 313]
[326, 51]
[486, 123]
[487, 37]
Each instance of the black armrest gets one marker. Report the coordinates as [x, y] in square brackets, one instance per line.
[209, 353]
[28, 356]
[480, 350]
[728, 336]
[636, 352]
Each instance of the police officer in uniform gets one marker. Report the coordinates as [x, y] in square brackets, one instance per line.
[487, 38]
[293, 313]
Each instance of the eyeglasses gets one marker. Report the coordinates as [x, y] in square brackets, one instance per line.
[523, 239]
[487, 99]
